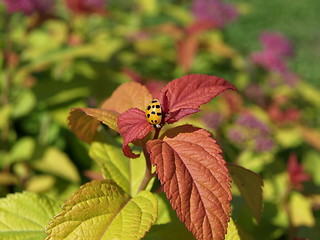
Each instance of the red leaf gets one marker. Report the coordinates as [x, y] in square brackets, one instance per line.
[85, 121]
[185, 95]
[132, 125]
[296, 172]
[128, 95]
[195, 179]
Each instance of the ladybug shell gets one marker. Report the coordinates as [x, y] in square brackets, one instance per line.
[153, 113]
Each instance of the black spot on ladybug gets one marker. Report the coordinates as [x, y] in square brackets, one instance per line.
[149, 107]
[148, 115]
[153, 106]
[157, 106]
[153, 112]
[154, 101]
[155, 121]
[159, 114]
[152, 121]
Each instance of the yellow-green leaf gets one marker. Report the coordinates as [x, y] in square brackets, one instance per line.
[301, 210]
[102, 210]
[25, 215]
[232, 233]
[127, 173]
[235, 232]
[58, 163]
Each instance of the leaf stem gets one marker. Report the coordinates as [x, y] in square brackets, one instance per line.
[156, 134]
[148, 174]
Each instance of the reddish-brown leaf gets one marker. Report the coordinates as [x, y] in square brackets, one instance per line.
[195, 179]
[185, 95]
[132, 126]
[85, 121]
[297, 175]
[250, 186]
[128, 95]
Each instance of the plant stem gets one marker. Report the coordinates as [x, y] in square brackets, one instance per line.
[156, 134]
[148, 174]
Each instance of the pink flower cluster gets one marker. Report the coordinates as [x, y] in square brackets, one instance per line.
[276, 49]
[250, 130]
[214, 11]
[28, 7]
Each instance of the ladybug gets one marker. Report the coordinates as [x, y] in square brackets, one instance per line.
[154, 113]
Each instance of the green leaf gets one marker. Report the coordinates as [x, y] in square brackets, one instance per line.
[24, 216]
[58, 163]
[232, 233]
[40, 183]
[23, 104]
[288, 137]
[22, 150]
[312, 164]
[301, 210]
[5, 115]
[102, 210]
[127, 173]
[309, 93]
[235, 232]
[250, 186]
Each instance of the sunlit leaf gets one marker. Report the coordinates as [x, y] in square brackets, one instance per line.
[85, 121]
[250, 186]
[235, 232]
[128, 95]
[126, 172]
[23, 149]
[102, 210]
[184, 96]
[232, 231]
[57, 163]
[40, 183]
[195, 179]
[24, 104]
[288, 137]
[311, 136]
[301, 210]
[25, 216]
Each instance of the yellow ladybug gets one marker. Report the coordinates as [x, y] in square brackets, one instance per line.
[154, 114]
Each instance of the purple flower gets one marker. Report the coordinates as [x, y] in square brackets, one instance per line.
[236, 135]
[214, 11]
[269, 60]
[29, 6]
[250, 131]
[256, 93]
[276, 43]
[249, 121]
[263, 143]
[213, 120]
[276, 48]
